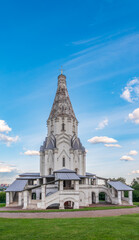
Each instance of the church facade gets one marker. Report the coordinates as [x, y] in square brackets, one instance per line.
[63, 181]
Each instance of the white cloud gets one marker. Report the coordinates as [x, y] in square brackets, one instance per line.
[133, 153]
[101, 139]
[32, 153]
[127, 158]
[8, 173]
[4, 127]
[126, 95]
[7, 139]
[4, 138]
[134, 116]
[6, 168]
[113, 145]
[135, 171]
[131, 91]
[102, 124]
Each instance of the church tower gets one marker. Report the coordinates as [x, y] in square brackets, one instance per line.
[62, 147]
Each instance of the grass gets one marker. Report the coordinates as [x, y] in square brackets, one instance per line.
[73, 210]
[136, 203]
[2, 205]
[105, 228]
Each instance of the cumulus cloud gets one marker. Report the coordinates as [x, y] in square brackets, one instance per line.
[32, 153]
[135, 171]
[127, 158]
[102, 139]
[113, 145]
[102, 124]
[7, 168]
[4, 130]
[4, 127]
[133, 153]
[134, 116]
[131, 91]
[7, 139]
[8, 172]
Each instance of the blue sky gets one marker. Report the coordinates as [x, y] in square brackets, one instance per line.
[97, 42]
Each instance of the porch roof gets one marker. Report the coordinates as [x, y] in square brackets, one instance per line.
[30, 174]
[28, 178]
[17, 186]
[67, 176]
[119, 186]
[64, 170]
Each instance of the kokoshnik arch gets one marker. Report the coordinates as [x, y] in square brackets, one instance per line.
[63, 180]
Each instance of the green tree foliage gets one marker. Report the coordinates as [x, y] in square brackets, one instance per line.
[2, 197]
[135, 185]
[119, 179]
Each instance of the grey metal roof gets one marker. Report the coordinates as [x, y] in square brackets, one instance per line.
[30, 174]
[81, 176]
[120, 186]
[17, 186]
[64, 170]
[49, 143]
[90, 174]
[28, 178]
[50, 176]
[67, 176]
[76, 144]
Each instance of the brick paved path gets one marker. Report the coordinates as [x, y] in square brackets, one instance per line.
[98, 213]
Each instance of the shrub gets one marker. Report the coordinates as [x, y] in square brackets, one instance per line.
[2, 197]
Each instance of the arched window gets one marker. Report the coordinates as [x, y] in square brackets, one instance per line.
[63, 127]
[34, 196]
[63, 162]
[50, 171]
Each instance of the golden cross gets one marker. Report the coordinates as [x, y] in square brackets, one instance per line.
[61, 70]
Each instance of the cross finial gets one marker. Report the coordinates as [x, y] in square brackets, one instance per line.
[61, 69]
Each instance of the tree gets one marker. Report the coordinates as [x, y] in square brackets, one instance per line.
[2, 197]
[119, 179]
[135, 185]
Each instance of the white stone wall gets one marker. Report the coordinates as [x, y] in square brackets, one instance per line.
[54, 158]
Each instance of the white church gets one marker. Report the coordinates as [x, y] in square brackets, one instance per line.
[63, 181]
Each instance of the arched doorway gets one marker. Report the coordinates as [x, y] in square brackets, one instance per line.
[104, 198]
[69, 205]
[93, 197]
[33, 196]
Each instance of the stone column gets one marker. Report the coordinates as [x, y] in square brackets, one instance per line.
[20, 199]
[61, 185]
[43, 188]
[113, 192]
[30, 196]
[61, 205]
[11, 197]
[119, 198]
[76, 205]
[86, 181]
[76, 185]
[97, 198]
[44, 180]
[25, 205]
[130, 201]
[122, 194]
[96, 181]
[7, 199]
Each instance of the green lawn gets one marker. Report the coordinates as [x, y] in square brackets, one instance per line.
[136, 203]
[104, 228]
[2, 205]
[74, 210]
